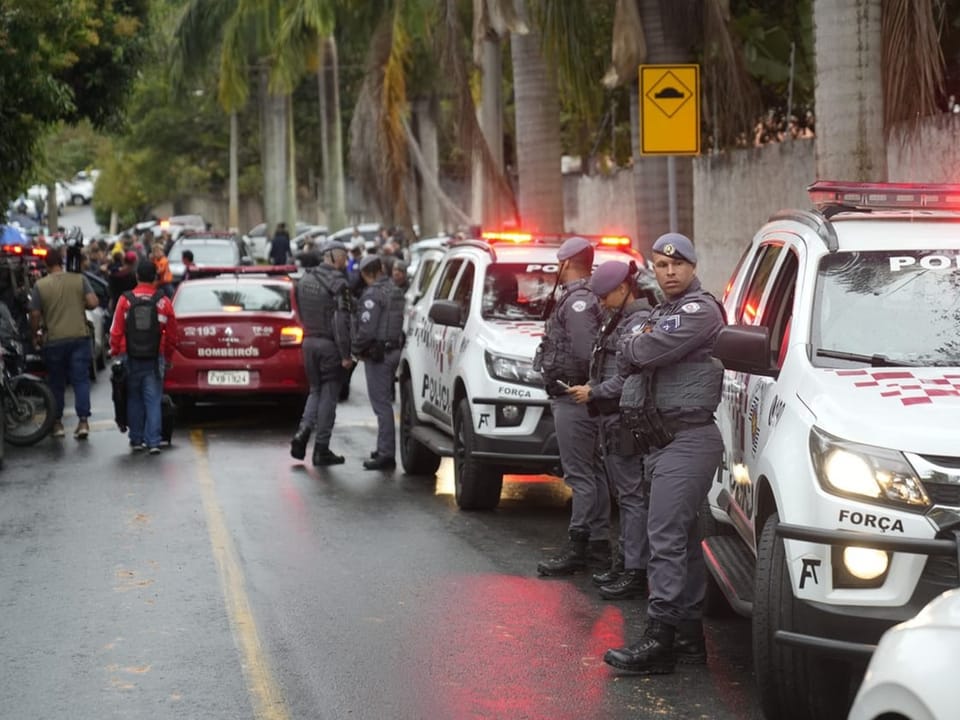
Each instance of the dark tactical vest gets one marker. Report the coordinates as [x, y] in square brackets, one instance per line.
[317, 296]
[390, 324]
[554, 357]
[603, 362]
[658, 401]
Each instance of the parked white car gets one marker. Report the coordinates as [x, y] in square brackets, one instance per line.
[912, 674]
[467, 384]
[831, 516]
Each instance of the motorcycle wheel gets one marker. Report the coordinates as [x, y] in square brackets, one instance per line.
[30, 410]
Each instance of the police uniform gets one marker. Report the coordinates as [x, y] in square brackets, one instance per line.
[669, 402]
[377, 341]
[622, 458]
[564, 360]
[325, 305]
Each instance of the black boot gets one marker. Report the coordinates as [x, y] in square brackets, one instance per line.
[612, 573]
[298, 445]
[323, 456]
[380, 462]
[572, 559]
[651, 655]
[598, 554]
[631, 584]
[689, 645]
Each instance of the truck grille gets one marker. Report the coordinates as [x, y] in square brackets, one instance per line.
[942, 493]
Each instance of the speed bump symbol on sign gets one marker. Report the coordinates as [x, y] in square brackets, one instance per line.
[670, 109]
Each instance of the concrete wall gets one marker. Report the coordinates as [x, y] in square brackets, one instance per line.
[931, 154]
[734, 194]
[599, 204]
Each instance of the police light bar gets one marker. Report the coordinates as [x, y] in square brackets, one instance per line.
[615, 241]
[514, 237]
[22, 250]
[890, 196]
[207, 271]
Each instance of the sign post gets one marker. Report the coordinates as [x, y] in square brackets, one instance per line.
[670, 118]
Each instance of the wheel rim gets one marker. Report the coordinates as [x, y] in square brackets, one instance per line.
[459, 455]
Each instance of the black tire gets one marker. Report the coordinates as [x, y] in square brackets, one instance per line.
[416, 457]
[476, 486]
[715, 603]
[793, 684]
[78, 200]
[29, 412]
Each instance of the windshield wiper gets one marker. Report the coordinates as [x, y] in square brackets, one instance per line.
[872, 360]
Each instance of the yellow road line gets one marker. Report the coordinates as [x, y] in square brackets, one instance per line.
[268, 703]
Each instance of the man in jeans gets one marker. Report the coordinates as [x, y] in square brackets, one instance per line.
[143, 334]
[57, 315]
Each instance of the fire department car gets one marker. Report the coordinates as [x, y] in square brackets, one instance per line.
[835, 511]
[239, 335]
[467, 386]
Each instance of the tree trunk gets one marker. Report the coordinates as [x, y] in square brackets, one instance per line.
[291, 212]
[233, 213]
[486, 201]
[53, 209]
[427, 136]
[849, 90]
[331, 135]
[273, 131]
[538, 135]
[650, 173]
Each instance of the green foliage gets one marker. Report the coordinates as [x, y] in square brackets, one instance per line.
[61, 61]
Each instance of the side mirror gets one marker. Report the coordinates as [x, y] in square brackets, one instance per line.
[745, 348]
[446, 312]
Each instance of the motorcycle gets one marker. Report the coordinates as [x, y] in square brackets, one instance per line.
[28, 407]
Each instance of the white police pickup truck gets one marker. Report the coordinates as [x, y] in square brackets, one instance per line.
[835, 512]
[467, 385]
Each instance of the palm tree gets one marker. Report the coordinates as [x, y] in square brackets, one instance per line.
[275, 42]
[328, 82]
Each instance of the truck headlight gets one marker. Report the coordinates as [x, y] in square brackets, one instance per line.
[511, 369]
[865, 472]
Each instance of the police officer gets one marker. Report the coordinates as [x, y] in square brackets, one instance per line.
[325, 308]
[377, 341]
[564, 360]
[669, 402]
[614, 285]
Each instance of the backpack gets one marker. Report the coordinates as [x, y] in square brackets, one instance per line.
[143, 326]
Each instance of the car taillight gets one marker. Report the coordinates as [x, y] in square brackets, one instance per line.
[290, 336]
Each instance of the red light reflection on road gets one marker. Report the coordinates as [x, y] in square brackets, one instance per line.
[513, 648]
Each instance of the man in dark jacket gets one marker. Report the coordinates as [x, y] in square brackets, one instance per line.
[280, 246]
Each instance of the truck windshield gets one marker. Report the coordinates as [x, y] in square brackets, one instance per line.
[901, 306]
[517, 291]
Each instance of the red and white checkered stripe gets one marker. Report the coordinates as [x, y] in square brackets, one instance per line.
[904, 386]
[530, 328]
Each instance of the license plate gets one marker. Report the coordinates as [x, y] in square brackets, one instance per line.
[228, 377]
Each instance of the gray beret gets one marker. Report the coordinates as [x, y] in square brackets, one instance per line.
[676, 245]
[573, 246]
[331, 245]
[369, 260]
[608, 276]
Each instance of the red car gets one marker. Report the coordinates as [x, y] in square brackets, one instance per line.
[239, 334]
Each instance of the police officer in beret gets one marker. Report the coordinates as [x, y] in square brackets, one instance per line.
[614, 284]
[325, 307]
[377, 341]
[563, 358]
[669, 401]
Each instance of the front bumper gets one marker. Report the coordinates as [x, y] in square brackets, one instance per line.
[537, 451]
[854, 630]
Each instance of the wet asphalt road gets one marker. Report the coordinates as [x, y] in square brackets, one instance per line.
[221, 579]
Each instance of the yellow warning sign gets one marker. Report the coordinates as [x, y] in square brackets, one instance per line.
[669, 109]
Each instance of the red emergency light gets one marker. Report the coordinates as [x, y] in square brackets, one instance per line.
[615, 241]
[514, 237]
[889, 196]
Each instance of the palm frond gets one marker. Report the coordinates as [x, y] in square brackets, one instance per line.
[578, 70]
[233, 88]
[629, 47]
[301, 23]
[377, 142]
[913, 64]
[734, 95]
[196, 39]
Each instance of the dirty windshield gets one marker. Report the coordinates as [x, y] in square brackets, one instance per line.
[894, 306]
[517, 291]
